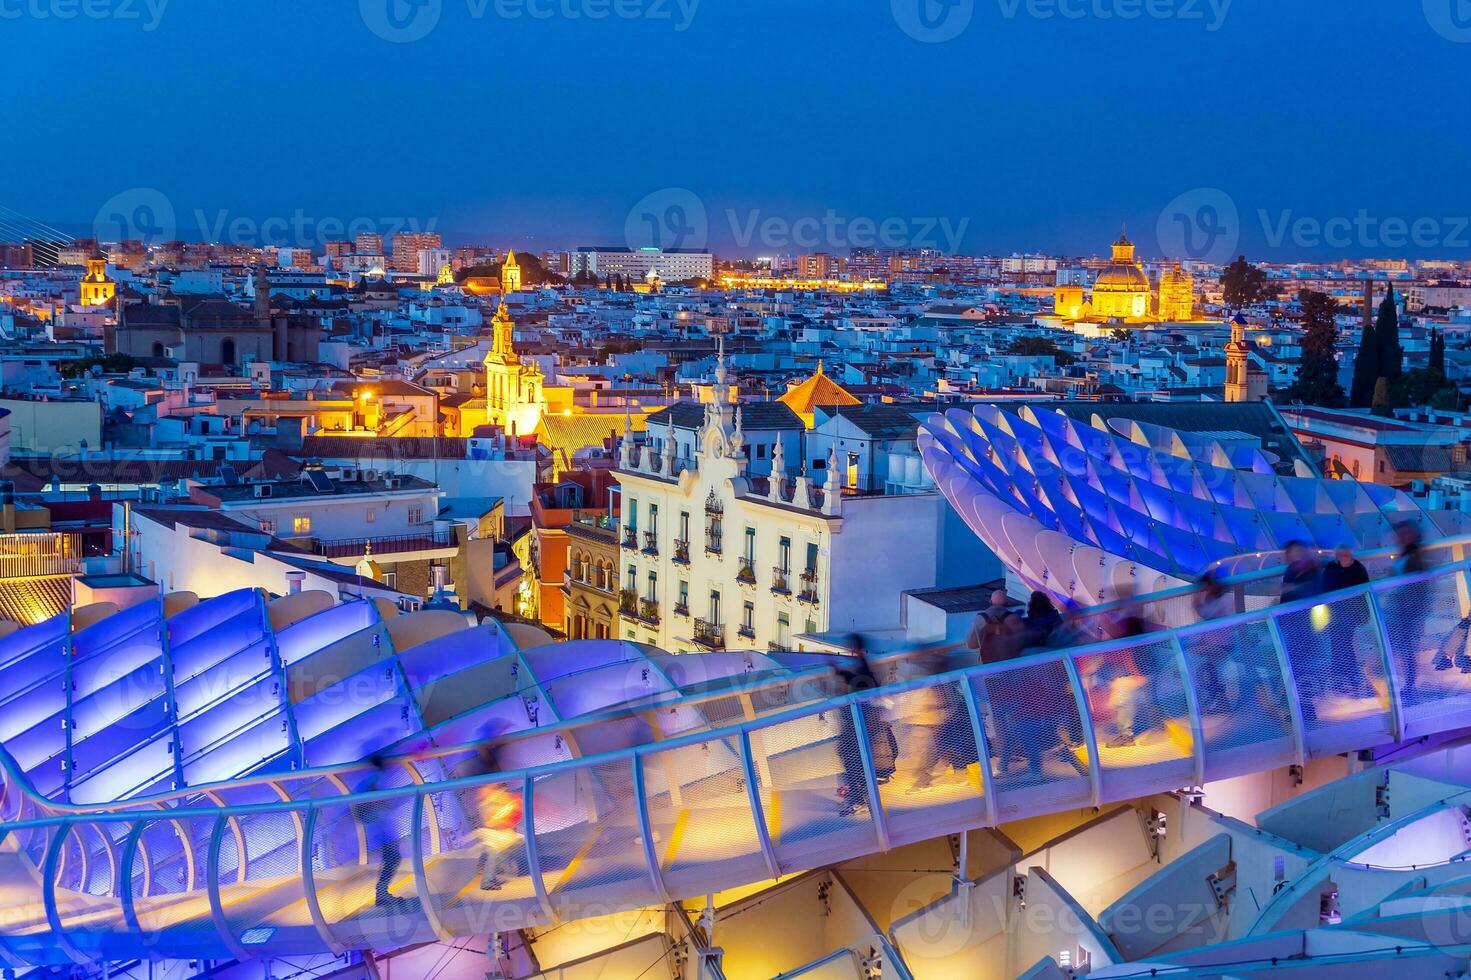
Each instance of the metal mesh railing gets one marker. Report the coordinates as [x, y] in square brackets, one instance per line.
[806, 787]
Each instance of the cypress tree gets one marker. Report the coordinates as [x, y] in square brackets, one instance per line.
[1317, 372]
[1386, 328]
[1366, 370]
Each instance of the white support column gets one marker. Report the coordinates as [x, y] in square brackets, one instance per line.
[1289, 684]
[533, 855]
[212, 878]
[1090, 737]
[983, 749]
[421, 878]
[1392, 679]
[645, 831]
[48, 893]
[870, 776]
[1192, 705]
[758, 811]
[309, 880]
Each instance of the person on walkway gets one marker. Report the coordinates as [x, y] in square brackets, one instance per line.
[858, 674]
[1302, 578]
[1404, 606]
[1345, 619]
[1213, 600]
[996, 634]
[379, 831]
[1041, 621]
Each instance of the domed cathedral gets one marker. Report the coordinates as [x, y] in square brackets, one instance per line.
[1122, 290]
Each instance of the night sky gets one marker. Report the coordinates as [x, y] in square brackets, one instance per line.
[728, 123]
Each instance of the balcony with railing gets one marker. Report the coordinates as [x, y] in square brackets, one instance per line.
[392, 544]
[808, 589]
[682, 609]
[781, 581]
[681, 551]
[709, 635]
[39, 555]
[713, 540]
[651, 542]
[746, 631]
[630, 538]
[648, 611]
[628, 602]
[746, 575]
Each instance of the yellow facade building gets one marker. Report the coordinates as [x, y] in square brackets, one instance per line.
[1176, 295]
[97, 289]
[511, 274]
[514, 398]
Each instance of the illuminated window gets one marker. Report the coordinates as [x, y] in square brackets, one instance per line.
[268, 526]
[301, 524]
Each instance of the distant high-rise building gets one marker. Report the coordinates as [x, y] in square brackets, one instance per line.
[408, 244]
[368, 243]
[818, 265]
[16, 256]
[335, 250]
[673, 265]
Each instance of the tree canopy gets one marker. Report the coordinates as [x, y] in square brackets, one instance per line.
[1243, 284]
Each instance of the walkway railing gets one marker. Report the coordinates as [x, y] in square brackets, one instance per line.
[711, 810]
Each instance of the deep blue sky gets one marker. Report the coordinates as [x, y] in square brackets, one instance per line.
[1042, 133]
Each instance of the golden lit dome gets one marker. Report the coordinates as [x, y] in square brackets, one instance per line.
[1123, 273]
[817, 391]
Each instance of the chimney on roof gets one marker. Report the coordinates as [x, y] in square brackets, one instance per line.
[294, 581]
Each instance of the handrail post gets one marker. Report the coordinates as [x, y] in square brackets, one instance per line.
[983, 750]
[646, 833]
[870, 774]
[212, 879]
[533, 853]
[1192, 705]
[1090, 736]
[1289, 685]
[309, 880]
[758, 810]
[48, 893]
[125, 876]
[1392, 678]
[421, 877]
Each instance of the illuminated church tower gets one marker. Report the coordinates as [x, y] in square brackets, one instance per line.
[1176, 295]
[511, 274]
[97, 289]
[513, 390]
[1244, 383]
